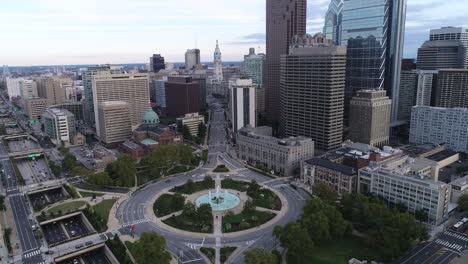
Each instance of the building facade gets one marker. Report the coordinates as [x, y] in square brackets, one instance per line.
[254, 67]
[370, 117]
[192, 58]
[192, 121]
[446, 48]
[76, 108]
[114, 120]
[438, 125]
[373, 31]
[13, 87]
[35, 107]
[130, 88]
[157, 63]
[182, 96]
[28, 89]
[312, 91]
[284, 19]
[242, 103]
[217, 64]
[52, 90]
[333, 21]
[59, 125]
[404, 181]
[258, 148]
[159, 88]
[452, 88]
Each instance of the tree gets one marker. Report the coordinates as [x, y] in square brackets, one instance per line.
[254, 189]
[201, 130]
[189, 210]
[122, 171]
[298, 243]
[463, 203]
[204, 214]
[421, 215]
[260, 256]
[186, 133]
[151, 249]
[325, 192]
[100, 179]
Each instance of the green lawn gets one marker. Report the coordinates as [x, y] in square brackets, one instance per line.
[238, 222]
[267, 199]
[235, 185]
[341, 251]
[209, 253]
[226, 253]
[103, 208]
[183, 223]
[66, 207]
[90, 194]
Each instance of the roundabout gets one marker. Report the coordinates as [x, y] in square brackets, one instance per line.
[231, 224]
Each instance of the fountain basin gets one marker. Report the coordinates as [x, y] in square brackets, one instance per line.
[224, 201]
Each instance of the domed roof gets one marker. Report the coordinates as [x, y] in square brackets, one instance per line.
[150, 117]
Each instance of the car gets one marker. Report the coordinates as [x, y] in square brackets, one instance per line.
[49, 252]
[79, 246]
[89, 243]
[73, 232]
[75, 261]
[34, 227]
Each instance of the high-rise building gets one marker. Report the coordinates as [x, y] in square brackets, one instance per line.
[369, 119]
[51, 89]
[114, 121]
[446, 48]
[59, 125]
[284, 19]
[242, 103]
[217, 64]
[130, 88]
[157, 63]
[35, 107]
[254, 66]
[373, 31]
[28, 89]
[192, 58]
[76, 108]
[452, 88]
[13, 87]
[437, 125]
[312, 91]
[182, 96]
[159, 89]
[415, 89]
[333, 17]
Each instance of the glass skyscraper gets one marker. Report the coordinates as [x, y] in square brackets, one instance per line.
[333, 17]
[373, 31]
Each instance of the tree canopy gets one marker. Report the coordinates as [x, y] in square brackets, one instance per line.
[325, 192]
[462, 202]
[122, 171]
[150, 248]
[260, 256]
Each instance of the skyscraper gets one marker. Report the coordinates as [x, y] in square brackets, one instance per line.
[130, 88]
[447, 47]
[217, 64]
[370, 117]
[254, 66]
[284, 19]
[52, 90]
[242, 103]
[157, 63]
[452, 88]
[333, 17]
[182, 96]
[28, 89]
[192, 58]
[114, 121]
[312, 91]
[373, 31]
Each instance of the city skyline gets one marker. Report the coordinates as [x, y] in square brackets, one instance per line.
[90, 32]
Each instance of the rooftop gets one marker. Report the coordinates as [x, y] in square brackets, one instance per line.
[346, 170]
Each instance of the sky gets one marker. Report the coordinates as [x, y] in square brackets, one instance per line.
[45, 32]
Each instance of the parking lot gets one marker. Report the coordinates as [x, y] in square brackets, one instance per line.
[34, 170]
[63, 230]
[93, 257]
[40, 199]
[22, 145]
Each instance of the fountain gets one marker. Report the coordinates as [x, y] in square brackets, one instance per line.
[219, 201]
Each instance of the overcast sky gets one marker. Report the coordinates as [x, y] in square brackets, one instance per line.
[40, 32]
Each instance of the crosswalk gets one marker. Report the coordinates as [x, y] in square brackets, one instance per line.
[193, 246]
[458, 236]
[448, 244]
[31, 254]
[135, 222]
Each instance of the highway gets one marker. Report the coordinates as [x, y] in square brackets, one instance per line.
[133, 210]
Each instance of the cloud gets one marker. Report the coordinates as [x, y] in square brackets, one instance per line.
[255, 38]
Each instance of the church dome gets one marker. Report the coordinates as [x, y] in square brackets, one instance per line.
[150, 117]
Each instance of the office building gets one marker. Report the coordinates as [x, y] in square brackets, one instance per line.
[411, 182]
[192, 121]
[254, 66]
[13, 87]
[242, 105]
[438, 125]
[35, 107]
[415, 89]
[182, 96]
[130, 88]
[28, 89]
[158, 87]
[51, 89]
[192, 58]
[157, 63]
[333, 21]
[280, 157]
[200, 78]
[459, 188]
[312, 91]
[373, 31]
[114, 121]
[217, 64]
[59, 125]
[341, 178]
[369, 120]
[446, 48]
[452, 88]
[76, 108]
[284, 19]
